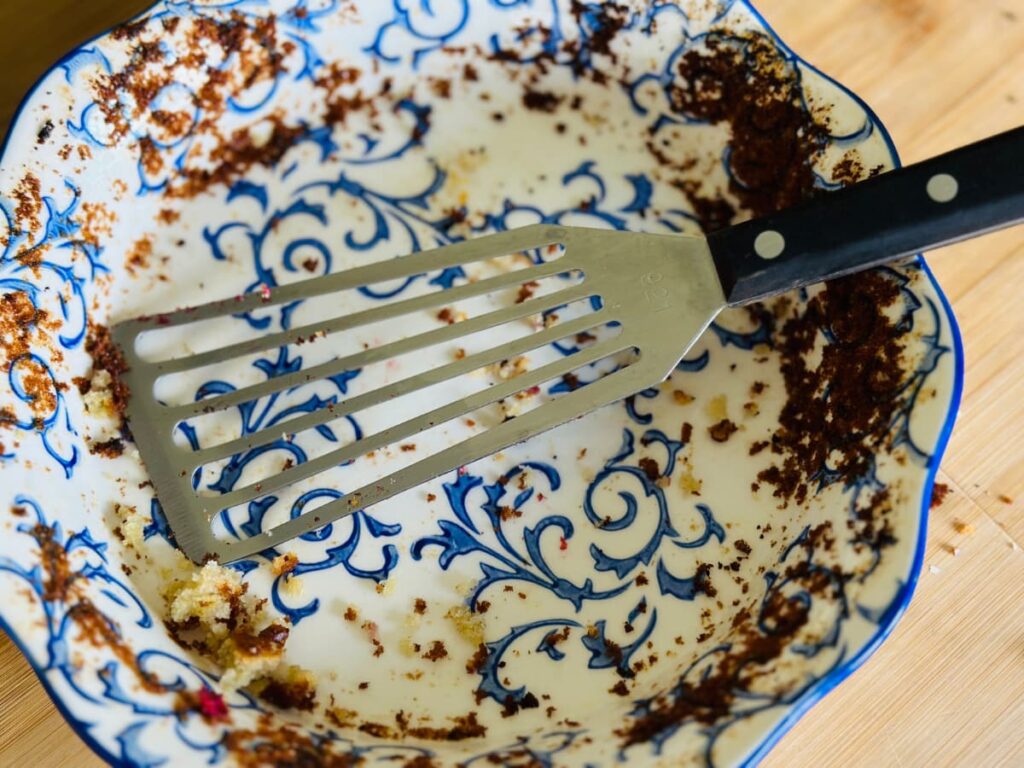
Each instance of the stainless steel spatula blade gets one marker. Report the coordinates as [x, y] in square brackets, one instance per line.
[660, 292]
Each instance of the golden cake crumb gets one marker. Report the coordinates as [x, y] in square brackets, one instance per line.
[681, 397]
[468, 624]
[132, 524]
[285, 563]
[509, 369]
[688, 481]
[212, 605]
[717, 408]
[99, 400]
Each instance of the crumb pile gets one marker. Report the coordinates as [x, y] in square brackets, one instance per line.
[839, 412]
[210, 610]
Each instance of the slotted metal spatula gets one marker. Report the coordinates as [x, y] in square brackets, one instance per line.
[662, 291]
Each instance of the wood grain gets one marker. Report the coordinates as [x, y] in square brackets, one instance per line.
[947, 689]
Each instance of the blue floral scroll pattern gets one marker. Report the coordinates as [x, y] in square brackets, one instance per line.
[144, 716]
[748, 704]
[481, 513]
[320, 551]
[301, 25]
[112, 685]
[54, 260]
[419, 28]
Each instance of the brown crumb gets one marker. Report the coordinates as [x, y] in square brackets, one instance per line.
[109, 449]
[722, 431]
[29, 203]
[509, 513]
[702, 580]
[284, 564]
[436, 652]
[650, 468]
[860, 370]
[743, 80]
[620, 689]
[289, 694]
[681, 397]
[526, 291]
[106, 356]
[759, 446]
[476, 662]
[466, 727]
[708, 698]
[963, 527]
[939, 492]
[541, 101]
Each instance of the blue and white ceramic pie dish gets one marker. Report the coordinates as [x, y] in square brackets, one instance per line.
[669, 581]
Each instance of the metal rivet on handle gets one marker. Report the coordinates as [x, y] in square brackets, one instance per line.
[769, 244]
[942, 187]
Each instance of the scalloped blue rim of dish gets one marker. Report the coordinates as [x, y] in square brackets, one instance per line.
[827, 683]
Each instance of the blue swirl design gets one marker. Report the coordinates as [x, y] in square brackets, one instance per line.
[144, 717]
[539, 751]
[271, 411]
[502, 561]
[746, 703]
[56, 261]
[112, 685]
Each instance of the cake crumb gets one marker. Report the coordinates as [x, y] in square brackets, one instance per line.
[211, 611]
[963, 527]
[681, 397]
[939, 493]
[436, 652]
[468, 624]
[722, 431]
[688, 481]
[509, 369]
[717, 408]
[284, 564]
[132, 526]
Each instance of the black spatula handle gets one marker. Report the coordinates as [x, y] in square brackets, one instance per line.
[967, 192]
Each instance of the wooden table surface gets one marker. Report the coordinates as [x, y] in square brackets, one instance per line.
[947, 689]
